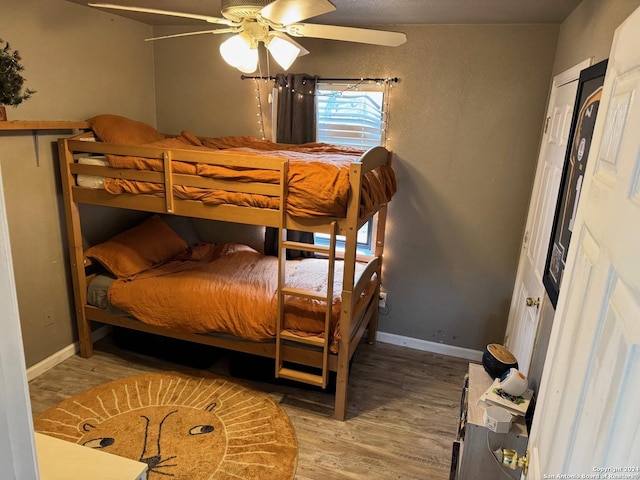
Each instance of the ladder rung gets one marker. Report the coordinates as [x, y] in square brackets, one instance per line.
[284, 335]
[299, 292]
[311, 340]
[307, 247]
[298, 376]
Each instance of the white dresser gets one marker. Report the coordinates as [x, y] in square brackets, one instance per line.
[60, 460]
[472, 458]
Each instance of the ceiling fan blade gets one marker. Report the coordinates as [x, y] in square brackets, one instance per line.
[285, 12]
[187, 34]
[206, 18]
[348, 34]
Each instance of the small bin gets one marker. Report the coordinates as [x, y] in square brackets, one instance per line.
[497, 419]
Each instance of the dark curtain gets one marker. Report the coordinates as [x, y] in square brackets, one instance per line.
[296, 108]
[296, 111]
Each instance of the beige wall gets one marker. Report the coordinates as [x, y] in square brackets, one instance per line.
[81, 62]
[465, 127]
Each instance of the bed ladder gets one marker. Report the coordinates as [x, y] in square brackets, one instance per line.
[284, 335]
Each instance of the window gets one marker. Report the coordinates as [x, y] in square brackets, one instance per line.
[351, 115]
[364, 239]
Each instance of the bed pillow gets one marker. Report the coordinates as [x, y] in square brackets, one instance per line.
[123, 131]
[184, 227]
[92, 181]
[142, 247]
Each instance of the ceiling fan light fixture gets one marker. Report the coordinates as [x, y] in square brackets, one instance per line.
[240, 52]
[249, 62]
[283, 51]
[273, 22]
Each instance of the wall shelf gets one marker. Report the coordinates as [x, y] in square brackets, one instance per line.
[36, 126]
[41, 125]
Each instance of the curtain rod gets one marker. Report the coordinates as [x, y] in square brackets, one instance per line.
[321, 79]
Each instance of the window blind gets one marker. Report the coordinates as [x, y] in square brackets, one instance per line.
[350, 115]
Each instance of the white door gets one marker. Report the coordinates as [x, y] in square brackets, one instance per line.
[17, 445]
[523, 315]
[587, 416]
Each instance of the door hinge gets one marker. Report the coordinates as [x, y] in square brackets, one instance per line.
[546, 124]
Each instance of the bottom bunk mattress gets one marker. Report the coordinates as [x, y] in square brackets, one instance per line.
[228, 288]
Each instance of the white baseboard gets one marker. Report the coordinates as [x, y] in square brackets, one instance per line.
[432, 347]
[61, 355]
[384, 337]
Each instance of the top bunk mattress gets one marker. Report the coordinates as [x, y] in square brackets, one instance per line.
[318, 173]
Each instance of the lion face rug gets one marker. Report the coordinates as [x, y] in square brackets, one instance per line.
[181, 426]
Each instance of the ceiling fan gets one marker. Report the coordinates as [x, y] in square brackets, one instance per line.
[273, 23]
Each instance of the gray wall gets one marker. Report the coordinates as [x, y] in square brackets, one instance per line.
[465, 127]
[588, 31]
[81, 62]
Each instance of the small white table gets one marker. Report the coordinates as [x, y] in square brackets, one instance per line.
[60, 460]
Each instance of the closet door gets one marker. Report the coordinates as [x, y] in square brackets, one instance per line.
[528, 291]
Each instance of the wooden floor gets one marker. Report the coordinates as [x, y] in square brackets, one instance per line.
[401, 417]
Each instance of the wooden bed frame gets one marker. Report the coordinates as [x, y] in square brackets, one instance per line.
[286, 347]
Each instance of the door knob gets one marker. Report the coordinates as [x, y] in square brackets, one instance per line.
[511, 459]
[533, 302]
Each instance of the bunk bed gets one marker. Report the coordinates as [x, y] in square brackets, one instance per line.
[315, 187]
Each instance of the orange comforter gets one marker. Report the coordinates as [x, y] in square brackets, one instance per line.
[318, 183]
[230, 288]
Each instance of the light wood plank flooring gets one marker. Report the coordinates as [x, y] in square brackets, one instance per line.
[401, 418]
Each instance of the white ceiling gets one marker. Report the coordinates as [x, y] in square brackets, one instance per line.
[379, 12]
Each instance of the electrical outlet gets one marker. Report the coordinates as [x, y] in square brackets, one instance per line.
[382, 300]
[47, 316]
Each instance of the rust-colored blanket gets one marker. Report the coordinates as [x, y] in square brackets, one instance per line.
[318, 183]
[231, 288]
